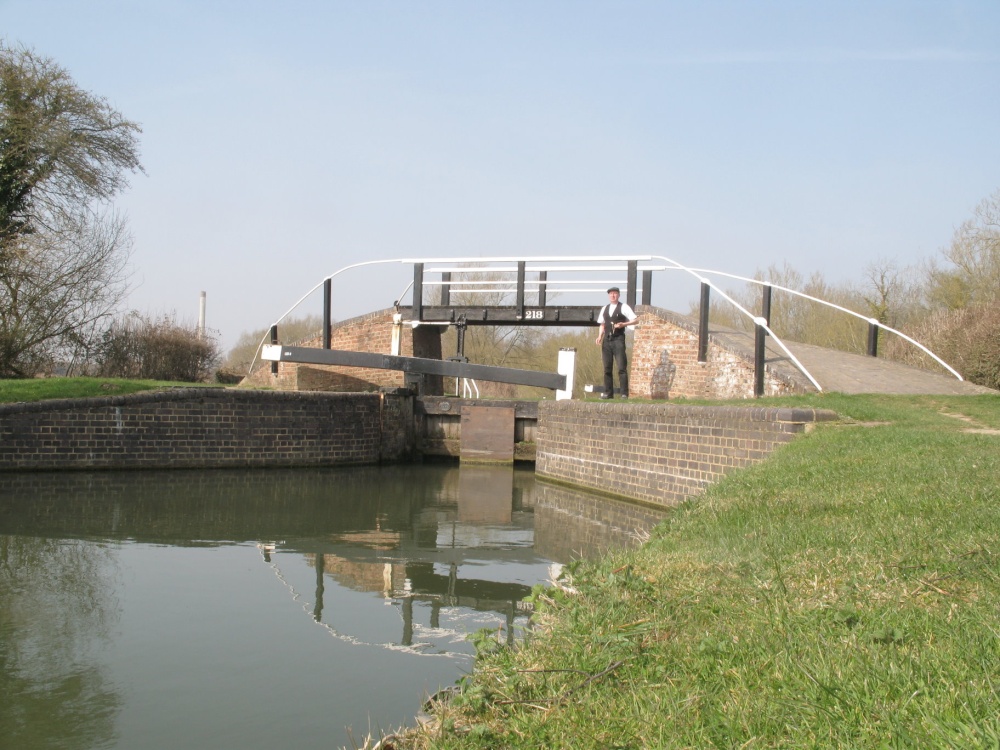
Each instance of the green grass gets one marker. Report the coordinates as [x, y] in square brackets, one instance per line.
[843, 593]
[41, 389]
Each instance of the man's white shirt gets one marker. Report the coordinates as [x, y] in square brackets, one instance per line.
[627, 311]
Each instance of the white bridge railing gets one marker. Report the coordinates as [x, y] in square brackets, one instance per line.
[529, 282]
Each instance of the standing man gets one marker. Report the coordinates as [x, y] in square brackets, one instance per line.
[613, 319]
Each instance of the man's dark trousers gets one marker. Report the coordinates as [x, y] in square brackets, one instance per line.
[613, 351]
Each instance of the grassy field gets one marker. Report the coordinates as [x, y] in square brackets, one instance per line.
[845, 593]
[40, 389]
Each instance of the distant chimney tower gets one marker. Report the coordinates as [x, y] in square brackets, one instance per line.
[201, 316]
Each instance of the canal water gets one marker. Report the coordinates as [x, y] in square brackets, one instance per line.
[252, 609]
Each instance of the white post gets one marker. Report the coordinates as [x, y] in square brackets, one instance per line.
[566, 366]
[396, 344]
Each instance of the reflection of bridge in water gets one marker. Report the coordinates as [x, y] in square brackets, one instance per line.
[436, 537]
[488, 528]
[410, 582]
[444, 559]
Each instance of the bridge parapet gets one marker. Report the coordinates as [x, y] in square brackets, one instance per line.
[666, 363]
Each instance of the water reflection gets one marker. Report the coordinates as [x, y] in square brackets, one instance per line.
[162, 608]
[57, 607]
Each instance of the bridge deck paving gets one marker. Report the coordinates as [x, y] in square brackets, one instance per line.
[844, 372]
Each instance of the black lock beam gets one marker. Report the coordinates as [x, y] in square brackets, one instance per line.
[414, 365]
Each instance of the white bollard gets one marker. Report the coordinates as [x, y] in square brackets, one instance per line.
[396, 345]
[566, 365]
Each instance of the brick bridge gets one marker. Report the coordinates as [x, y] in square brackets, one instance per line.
[664, 363]
[673, 355]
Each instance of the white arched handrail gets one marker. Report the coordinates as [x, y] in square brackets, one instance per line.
[835, 306]
[592, 264]
[305, 296]
[756, 319]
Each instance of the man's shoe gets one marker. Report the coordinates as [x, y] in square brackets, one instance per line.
[605, 396]
[624, 396]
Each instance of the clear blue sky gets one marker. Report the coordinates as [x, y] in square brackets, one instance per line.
[283, 141]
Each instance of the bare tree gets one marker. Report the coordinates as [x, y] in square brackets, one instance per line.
[894, 295]
[971, 275]
[962, 293]
[58, 289]
[64, 153]
[290, 330]
[796, 318]
[60, 147]
[136, 346]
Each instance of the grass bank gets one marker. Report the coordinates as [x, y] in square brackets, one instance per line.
[41, 389]
[844, 593]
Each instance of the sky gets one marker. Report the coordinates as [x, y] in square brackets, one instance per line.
[285, 141]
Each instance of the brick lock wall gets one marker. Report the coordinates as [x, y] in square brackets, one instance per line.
[658, 453]
[365, 333]
[654, 453]
[206, 428]
[665, 364]
[398, 427]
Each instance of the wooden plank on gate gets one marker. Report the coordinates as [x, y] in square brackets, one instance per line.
[488, 434]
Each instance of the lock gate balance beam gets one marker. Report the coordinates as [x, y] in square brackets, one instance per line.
[413, 365]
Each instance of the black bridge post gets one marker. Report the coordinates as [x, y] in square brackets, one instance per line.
[519, 301]
[445, 288]
[327, 302]
[633, 268]
[765, 304]
[647, 287]
[703, 323]
[274, 340]
[760, 339]
[418, 291]
[460, 326]
[543, 276]
[872, 339]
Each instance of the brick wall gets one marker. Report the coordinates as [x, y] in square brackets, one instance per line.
[658, 453]
[398, 427]
[654, 453]
[664, 362]
[207, 428]
[366, 333]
